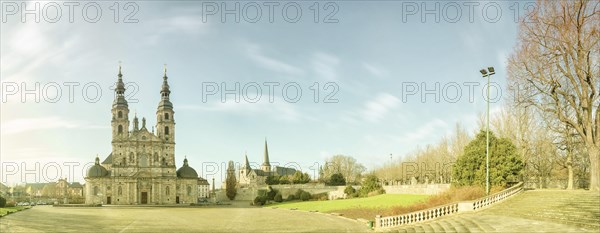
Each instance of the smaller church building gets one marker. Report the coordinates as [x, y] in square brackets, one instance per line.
[256, 177]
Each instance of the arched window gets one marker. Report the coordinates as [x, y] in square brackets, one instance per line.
[96, 190]
[120, 191]
[168, 191]
[189, 190]
[131, 157]
[120, 129]
[120, 114]
[166, 130]
[166, 115]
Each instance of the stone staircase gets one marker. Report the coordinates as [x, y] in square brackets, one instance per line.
[530, 211]
[578, 208]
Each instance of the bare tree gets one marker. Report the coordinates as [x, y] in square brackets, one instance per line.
[432, 163]
[342, 164]
[556, 68]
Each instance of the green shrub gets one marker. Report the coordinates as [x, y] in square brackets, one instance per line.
[278, 197]
[271, 180]
[262, 192]
[11, 204]
[320, 196]
[257, 201]
[271, 194]
[298, 193]
[291, 197]
[305, 196]
[349, 190]
[2, 202]
[260, 200]
[284, 180]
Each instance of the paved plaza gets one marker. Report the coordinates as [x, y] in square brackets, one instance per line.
[174, 219]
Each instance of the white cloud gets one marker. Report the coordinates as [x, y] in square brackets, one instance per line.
[375, 70]
[255, 53]
[325, 66]
[431, 131]
[376, 109]
[42, 123]
[189, 25]
[279, 109]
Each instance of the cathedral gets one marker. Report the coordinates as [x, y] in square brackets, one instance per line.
[141, 168]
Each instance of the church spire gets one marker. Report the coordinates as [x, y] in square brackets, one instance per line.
[120, 90]
[135, 122]
[165, 91]
[266, 166]
[246, 163]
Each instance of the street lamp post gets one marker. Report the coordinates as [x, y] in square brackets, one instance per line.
[487, 74]
[391, 182]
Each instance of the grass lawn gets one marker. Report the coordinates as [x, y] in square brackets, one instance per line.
[383, 201]
[7, 210]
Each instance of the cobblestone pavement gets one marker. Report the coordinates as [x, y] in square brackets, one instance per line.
[173, 219]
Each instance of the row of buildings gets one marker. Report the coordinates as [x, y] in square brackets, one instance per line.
[60, 191]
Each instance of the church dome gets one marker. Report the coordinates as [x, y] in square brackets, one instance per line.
[186, 171]
[97, 170]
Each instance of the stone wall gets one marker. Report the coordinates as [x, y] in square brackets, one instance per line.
[286, 190]
[428, 189]
[249, 193]
[536, 183]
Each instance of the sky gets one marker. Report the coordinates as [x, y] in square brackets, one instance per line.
[375, 78]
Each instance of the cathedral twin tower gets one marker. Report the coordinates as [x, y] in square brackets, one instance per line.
[141, 166]
[165, 122]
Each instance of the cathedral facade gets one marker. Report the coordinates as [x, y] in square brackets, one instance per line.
[141, 168]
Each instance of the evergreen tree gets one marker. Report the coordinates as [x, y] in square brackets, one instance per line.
[300, 178]
[337, 179]
[231, 182]
[370, 184]
[505, 162]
